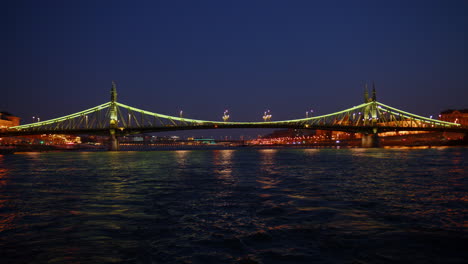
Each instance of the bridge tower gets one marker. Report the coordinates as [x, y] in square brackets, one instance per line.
[113, 119]
[370, 139]
[366, 94]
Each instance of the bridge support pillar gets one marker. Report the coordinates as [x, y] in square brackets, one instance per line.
[114, 141]
[370, 141]
[113, 121]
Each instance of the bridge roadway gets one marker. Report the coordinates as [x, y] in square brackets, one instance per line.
[122, 131]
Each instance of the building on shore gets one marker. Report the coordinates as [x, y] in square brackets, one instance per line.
[8, 120]
[455, 116]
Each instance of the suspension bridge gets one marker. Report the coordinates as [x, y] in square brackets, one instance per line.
[116, 119]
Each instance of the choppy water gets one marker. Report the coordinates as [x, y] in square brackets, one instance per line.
[235, 206]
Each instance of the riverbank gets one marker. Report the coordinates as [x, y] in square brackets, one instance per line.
[161, 147]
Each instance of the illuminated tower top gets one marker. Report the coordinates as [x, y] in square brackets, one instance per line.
[114, 92]
[374, 96]
[366, 94]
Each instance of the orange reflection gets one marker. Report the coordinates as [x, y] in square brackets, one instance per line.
[280, 227]
[223, 163]
[267, 164]
[268, 183]
[223, 157]
[3, 172]
[181, 157]
[268, 159]
[311, 151]
[5, 219]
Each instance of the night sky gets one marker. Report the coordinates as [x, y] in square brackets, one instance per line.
[202, 57]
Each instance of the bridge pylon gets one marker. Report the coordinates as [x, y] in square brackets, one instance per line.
[113, 119]
[371, 138]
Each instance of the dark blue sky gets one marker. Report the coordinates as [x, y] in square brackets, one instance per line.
[59, 57]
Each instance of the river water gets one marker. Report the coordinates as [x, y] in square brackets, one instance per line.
[235, 206]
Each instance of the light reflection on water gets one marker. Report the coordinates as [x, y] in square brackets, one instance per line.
[223, 165]
[234, 206]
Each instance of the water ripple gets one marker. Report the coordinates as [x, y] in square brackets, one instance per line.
[235, 206]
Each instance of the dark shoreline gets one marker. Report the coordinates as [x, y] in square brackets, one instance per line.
[145, 147]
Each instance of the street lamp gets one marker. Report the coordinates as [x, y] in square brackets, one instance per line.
[267, 116]
[226, 115]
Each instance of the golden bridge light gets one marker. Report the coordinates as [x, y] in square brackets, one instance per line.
[267, 116]
[226, 115]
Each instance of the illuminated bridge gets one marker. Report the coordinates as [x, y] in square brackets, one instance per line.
[117, 119]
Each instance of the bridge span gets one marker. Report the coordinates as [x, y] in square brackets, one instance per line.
[116, 119]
